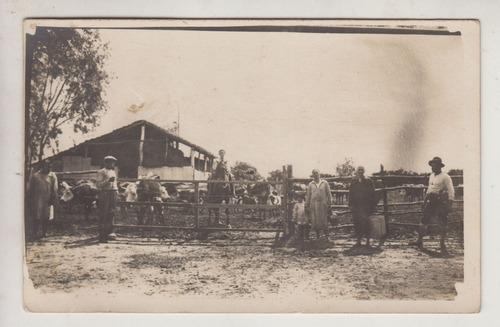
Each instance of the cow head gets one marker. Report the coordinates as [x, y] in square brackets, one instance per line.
[131, 193]
[164, 194]
[67, 194]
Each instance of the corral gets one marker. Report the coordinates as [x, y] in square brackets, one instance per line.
[253, 258]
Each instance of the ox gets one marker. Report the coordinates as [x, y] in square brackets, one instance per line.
[84, 192]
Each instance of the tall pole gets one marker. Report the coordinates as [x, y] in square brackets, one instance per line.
[178, 121]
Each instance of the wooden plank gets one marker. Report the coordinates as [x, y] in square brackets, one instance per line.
[163, 204]
[76, 163]
[194, 229]
[202, 205]
[201, 181]
[66, 163]
[237, 206]
[62, 173]
[86, 164]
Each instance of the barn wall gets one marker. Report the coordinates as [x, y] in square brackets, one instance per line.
[154, 150]
[123, 145]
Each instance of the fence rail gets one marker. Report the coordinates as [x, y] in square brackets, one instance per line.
[385, 208]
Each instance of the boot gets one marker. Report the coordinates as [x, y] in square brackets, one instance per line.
[442, 230]
[419, 242]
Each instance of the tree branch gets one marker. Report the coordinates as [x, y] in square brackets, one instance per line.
[58, 94]
[62, 108]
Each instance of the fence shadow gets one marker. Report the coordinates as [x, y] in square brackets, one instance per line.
[82, 243]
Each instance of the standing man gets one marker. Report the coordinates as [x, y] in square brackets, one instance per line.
[318, 201]
[438, 200]
[108, 187]
[42, 194]
[219, 192]
[362, 202]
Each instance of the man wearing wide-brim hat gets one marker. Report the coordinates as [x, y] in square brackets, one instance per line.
[108, 186]
[440, 194]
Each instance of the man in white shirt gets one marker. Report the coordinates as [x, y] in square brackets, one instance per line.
[438, 200]
[108, 186]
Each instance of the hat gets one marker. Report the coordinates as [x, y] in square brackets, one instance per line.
[436, 160]
[110, 158]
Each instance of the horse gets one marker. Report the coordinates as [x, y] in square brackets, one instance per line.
[219, 192]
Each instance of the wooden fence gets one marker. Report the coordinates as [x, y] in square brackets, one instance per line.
[384, 208]
[197, 206]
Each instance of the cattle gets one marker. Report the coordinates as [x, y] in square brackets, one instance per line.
[412, 192]
[261, 193]
[150, 190]
[275, 198]
[84, 193]
[339, 197]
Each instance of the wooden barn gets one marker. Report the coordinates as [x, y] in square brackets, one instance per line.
[141, 148]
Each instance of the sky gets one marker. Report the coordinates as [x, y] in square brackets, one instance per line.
[309, 100]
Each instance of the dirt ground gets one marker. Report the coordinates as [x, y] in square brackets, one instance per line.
[238, 265]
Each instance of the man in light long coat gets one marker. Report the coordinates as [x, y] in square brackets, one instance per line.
[318, 201]
[42, 194]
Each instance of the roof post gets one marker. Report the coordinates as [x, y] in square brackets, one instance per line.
[166, 151]
[192, 161]
[141, 144]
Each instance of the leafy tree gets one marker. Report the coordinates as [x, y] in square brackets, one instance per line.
[275, 175]
[345, 168]
[67, 80]
[244, 171]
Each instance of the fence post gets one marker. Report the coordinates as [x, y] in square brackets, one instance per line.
[196, 201]
[285, 201]
[386, 207]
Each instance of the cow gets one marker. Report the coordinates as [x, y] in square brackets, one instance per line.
[150, 190]
[340, 197]
[84, 193]
[261, 193]
[275, 200]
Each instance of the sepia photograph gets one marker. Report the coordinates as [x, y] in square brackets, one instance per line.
[252, 166]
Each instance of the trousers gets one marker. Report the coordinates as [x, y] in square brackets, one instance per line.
[107, 208]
